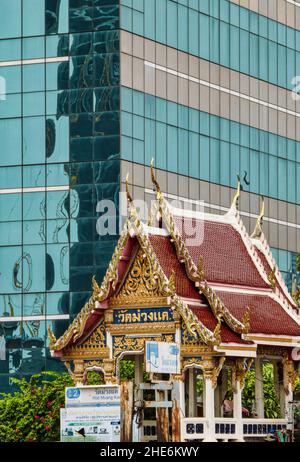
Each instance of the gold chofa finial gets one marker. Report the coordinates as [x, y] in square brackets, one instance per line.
[272, 277]
[259, 222]
[172, 285]
[235, 200]
[129, 197]
[153, 178]
[246, 319]
[217, 331]
[95, 287]
[51, 336]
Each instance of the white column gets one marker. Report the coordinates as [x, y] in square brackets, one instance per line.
[178, 395]
[192, 392]
[237, 411]
[138, 396]
[288, 408]
[209, 408]
[223, 388]
[259, 389]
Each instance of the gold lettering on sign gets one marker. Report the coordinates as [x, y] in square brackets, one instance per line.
[137, 316]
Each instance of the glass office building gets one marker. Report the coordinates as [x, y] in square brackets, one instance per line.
[93, 89]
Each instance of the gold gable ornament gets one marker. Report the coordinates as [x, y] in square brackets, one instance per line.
[272, 277]
[143, 284]
[258, 230]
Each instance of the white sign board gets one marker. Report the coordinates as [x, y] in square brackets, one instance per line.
[92, 413]
[90, 424]
[162, 357]
[90, 395]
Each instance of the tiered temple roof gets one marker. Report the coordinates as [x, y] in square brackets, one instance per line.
[226, 285]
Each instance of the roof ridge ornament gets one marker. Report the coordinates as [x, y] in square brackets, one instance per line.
[296, 293]
[154, 180]
[51, 336]
[217, 330]
[235, 200]
[258, 230]
[272, 277]
[246, 319]
[128, 195]
[200, 268]
[130, 204]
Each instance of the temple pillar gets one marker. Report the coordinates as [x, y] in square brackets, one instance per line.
[178, 407]
[208, 365]
[192, 393]
[238, 380]
[289, 379]
[109, 370]
[79, 373]
[259, 389]
[138, 397]
[223, 388]
[237, 411]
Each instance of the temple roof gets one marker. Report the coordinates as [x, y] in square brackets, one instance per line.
[225, 284]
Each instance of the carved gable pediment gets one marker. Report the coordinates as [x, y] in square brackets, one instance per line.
[143, 284]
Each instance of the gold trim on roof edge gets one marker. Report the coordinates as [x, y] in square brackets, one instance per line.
[236, 197]
[258, 230]
[196, 274]
[192, 322]
[99, 294]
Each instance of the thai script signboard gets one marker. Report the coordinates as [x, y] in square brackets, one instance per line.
[143, 315]
[92, 413]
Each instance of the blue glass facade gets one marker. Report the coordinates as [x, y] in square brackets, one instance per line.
[182, 39]
[59, 129]
[221, 32]
[210, 148]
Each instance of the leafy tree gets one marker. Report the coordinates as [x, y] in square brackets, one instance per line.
[33, 413]
[271, 400]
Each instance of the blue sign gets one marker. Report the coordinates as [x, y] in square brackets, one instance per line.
[73, 393]
[143, 315]
[162, 357]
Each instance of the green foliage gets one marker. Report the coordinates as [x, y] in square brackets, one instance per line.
[271, 400]
[127, 370]
[33, 413]
[94, 378]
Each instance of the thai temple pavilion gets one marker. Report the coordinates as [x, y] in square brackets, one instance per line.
[221, 298]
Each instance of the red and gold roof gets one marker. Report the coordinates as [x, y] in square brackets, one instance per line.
[226, 286]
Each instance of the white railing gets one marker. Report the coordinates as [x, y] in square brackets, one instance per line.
[261, 427]
[197, 428]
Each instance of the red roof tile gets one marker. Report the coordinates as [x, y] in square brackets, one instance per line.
[225, 257]
[205, 315]
[268, 270]
[266, 317]
[168, 260]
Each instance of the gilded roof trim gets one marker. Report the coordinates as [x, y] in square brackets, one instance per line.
[100, 293]
[196, 274]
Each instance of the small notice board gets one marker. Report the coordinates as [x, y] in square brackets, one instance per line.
[92, 414]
